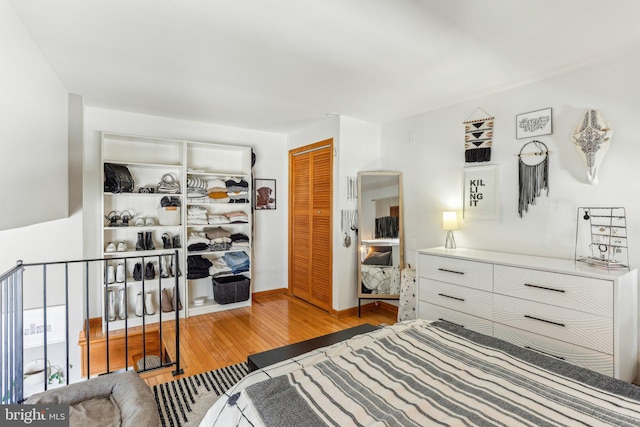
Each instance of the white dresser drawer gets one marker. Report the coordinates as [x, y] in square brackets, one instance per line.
[436, 312]
[478, 275]
[459, 298]
[577, 327]
[577, 355]
[564, 290]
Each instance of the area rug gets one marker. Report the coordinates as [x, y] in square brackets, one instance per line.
[184, 402]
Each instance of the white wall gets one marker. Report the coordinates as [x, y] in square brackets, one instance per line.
[433, 165]
[356, 147]
[33, 164]
[270, 253]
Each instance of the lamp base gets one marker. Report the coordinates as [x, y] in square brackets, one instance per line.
[450, 242]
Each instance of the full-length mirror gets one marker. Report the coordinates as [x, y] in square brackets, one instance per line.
[380, 236]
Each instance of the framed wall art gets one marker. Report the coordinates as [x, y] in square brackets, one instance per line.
[535, 123]
[265, 194]
[33, 324]
[480, 190]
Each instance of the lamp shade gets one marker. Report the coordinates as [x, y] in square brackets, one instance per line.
[449, 220]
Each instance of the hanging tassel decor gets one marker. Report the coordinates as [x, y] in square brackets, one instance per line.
[533, 176]
[478, 136]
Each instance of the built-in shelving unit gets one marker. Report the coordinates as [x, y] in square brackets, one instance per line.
[148, 160]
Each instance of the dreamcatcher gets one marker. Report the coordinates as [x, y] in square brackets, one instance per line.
[533, 168]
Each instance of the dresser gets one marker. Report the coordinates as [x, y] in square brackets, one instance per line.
[575, 312]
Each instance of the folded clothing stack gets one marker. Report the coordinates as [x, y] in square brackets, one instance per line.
[198, 267]
[238, 262]
[237, 217]
[198, 241]
[219, 267]
[218, 219]
[196, 187]
[239, 241]
[237, 190]
[217, 191]
[197, 215]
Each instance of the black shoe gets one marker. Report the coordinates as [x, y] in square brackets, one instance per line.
[140, 242]
[166, 241]
[175, 201]
[137, 271]
[176, 241]
[149, 271]
[165, 201]
[148, 241]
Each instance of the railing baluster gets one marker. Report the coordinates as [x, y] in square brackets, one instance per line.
[176, 298]
[126, 318]
[45, 373]
[66, 317]
[19, 339]
[88, 321]
[106, 311]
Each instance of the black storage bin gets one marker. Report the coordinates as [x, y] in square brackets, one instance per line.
[228, 289]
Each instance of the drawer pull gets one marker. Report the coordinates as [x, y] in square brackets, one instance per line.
[449, 296]
[544, 352]
[543, 320]
[447, 321]
[450, 271]
[544, 287]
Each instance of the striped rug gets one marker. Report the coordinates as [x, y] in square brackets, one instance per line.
[184, 402]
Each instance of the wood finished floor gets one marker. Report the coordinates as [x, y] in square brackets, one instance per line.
[215, 340]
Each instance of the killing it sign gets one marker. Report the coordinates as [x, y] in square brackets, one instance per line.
[475, 191]
[480, 192]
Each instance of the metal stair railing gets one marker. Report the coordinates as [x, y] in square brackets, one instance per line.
[12, 328]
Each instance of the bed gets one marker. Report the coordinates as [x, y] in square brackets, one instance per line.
[420, 373]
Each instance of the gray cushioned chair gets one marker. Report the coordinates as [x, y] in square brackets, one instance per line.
[118, 399]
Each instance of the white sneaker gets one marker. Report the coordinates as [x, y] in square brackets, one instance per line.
[111, 247]
[120, 274]
[149, 222]
[139, 222]
[122, 246]
[111, 275]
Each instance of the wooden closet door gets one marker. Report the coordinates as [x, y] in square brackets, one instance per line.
[310, 247]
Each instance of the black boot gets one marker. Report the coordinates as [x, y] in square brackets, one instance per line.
[140, 242]
[176, 241]
[137, 271]
[148, 241]
[149, 271]
[166, 241]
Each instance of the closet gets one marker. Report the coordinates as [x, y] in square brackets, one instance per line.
[310, 223]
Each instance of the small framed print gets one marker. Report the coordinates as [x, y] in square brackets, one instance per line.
[34, 327]
[480, 192]
[265, 194]
[535, 123]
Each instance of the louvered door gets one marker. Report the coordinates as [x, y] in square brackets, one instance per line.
[310, 243]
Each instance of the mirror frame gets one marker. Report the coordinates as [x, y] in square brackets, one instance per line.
[362, 174]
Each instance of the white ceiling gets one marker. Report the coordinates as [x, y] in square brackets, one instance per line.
[281, 64]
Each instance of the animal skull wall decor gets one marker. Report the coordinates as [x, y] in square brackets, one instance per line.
[592, 139]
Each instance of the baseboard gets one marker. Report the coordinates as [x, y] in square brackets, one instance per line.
[270, 292]
[375, 305]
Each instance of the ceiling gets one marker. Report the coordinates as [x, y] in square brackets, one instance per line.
[279, 65]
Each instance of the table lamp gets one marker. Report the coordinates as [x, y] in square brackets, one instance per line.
[449, 223]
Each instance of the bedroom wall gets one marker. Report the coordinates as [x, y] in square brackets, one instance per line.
[270, 255]
[433, 164]
[34, 130]
[357, 147]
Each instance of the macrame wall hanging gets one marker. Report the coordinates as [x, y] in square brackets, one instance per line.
[533, 167]
[478, 136]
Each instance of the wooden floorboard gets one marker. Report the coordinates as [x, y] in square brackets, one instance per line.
[216, 340]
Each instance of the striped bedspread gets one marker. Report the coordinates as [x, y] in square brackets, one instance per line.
[420, 374]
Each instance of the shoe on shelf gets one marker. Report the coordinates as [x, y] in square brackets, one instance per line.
[166, 302]
[164, 269]
[140, 242]
[137, 271]
[111, 275]
[126, 217]
[176, 241]
[111, 247]
[139, 222]
[114, 218]
[148, 241]
[122, 246]
[120, 273]
[149, 271]
[166, 241]
[149, 222]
